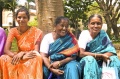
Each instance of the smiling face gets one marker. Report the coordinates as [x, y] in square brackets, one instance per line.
[95, 25]
[62, 27]
[22, 18]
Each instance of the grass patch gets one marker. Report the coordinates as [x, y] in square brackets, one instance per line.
[14, 46]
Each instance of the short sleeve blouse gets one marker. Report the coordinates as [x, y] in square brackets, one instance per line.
[47, 40]
[84, 38]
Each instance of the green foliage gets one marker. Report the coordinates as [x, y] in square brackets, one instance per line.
[1, 4]
[114, 40]
[10, 4]
[85, 28]
[33, 22]
[30, 0]
[93, 9]
[75, 11]
[14, 46]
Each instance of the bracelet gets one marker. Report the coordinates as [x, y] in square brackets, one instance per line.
[22, 56]
[59, 64]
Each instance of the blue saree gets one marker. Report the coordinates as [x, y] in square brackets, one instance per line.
[60, 49]
[90, 66]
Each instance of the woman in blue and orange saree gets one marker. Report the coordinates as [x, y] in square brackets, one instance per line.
[96, 47]
[59, 50]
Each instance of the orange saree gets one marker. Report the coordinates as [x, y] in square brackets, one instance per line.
[26, 69]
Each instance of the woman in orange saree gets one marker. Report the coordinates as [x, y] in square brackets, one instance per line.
[27, 62]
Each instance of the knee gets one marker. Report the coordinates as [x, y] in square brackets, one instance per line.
[39, 58]
[114, 57]
[71, 65]
[89, 58]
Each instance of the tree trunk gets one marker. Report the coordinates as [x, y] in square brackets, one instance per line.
[109, 24]
[47, 11]
[14, 25]
[115, 28]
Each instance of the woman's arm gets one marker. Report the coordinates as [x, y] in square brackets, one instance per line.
[85, 53]
[32, 53]
[104, 56]
[57, 64]
[37, 46]
[66, 60]
[7, 49]
[46, 59]
[16, 57]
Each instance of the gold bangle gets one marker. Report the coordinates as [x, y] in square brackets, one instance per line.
[59, 64]
[22, 56]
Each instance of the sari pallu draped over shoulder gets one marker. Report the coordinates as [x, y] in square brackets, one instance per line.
[101, 44]
[26, 41]
[26, 69]
[63, 47]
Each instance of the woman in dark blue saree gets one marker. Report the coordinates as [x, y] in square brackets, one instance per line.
[59, 50]
[96, 47]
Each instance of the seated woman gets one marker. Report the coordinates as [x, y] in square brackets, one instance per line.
[96, 47]
[27, 62]
[3, 38]
[58, 50]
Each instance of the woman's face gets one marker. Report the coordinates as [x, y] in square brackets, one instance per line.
[95, 25]
[22, 19]
[62, 27]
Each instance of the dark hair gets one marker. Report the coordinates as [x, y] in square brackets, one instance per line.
[99, 16]
[58, 20]
[23, 9]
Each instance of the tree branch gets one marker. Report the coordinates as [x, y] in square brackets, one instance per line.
[118, 16]
[116, 11]
[107, 4]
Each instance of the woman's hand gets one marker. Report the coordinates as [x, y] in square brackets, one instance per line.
[16, 58]
[31, 54]
[57, 71]
[105, 57]
[55, 65]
